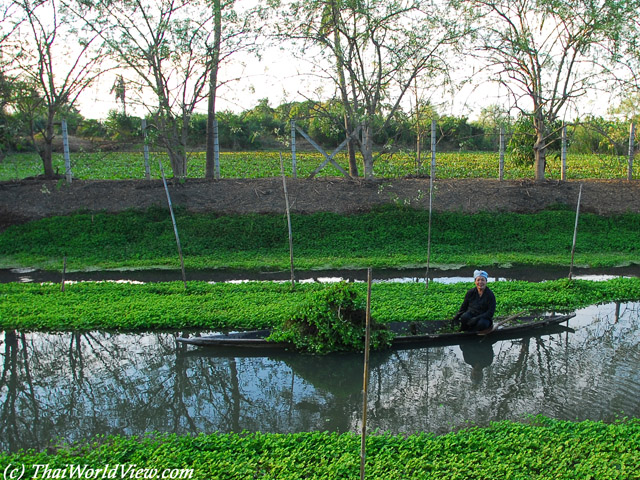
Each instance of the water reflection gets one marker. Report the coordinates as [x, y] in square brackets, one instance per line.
[75, 385]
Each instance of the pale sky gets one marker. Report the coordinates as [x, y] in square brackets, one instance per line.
[283, 78]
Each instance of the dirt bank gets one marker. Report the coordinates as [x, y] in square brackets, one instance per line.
[37, 198]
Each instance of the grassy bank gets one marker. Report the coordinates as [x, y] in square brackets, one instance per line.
[541, 450]
[87, 306]
[387, 238]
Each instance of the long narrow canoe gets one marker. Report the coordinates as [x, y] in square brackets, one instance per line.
[408, 334]
[419, 333]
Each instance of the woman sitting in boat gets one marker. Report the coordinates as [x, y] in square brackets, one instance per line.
[478, 307]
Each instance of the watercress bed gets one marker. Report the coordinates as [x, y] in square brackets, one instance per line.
[385, 238]
[540, 450]
[255, 305]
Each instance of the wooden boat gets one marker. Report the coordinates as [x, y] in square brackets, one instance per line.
[408, 334]
[516, 326]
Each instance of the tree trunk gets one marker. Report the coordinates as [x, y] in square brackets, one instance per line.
[353, 164]
[47, 162]
[540, 160]
[539, 150]
[209, 171]
[47, 150]
[171, 139]
[348, 124]
[351, 150]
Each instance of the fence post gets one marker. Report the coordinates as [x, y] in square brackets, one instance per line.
[147, 170]
[65, 148]
[501, 167]
[563, 171]
[216, 149]
[632, 135]
[293, 149]
[433, 148]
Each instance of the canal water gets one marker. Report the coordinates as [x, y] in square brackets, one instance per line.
[68, 387]
[445, 275]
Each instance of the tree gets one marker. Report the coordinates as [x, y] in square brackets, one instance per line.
[231, 34]
[371, 51]
[8, 25]
[492, 120]
[119, 89]
[54, 68]
[162, 48]
[521, 146]
[548, 53]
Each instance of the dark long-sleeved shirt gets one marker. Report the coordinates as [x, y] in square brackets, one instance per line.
[479, 306]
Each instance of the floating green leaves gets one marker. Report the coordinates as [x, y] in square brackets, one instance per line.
[332, 320]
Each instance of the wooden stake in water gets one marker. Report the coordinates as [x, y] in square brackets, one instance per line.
[365, 382]
[575, 232]
[175, 226]
[431, 177]
[286, 203]
[64, 271]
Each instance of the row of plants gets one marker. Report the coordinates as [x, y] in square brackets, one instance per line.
[256, 305]
[122, 166]
[542, 448]
[385, 238]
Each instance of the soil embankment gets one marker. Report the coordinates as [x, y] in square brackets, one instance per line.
[32, 199]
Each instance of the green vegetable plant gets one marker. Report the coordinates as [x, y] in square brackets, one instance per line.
[331, 320]
[260, 164]
[384, 238]
[257, 305]
[540, 449]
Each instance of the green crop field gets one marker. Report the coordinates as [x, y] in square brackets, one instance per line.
[256, 305]
[131, 165]
[542, 449]
[391, 237]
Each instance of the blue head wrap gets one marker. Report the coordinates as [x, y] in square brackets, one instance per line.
[480, 273]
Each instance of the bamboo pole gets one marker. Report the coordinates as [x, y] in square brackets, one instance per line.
[365, 381]
[431, 176]
[175, 226]
[286, 203]
[575, 232]
[64, 271]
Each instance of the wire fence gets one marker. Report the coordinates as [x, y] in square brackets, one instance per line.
[575, 158]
